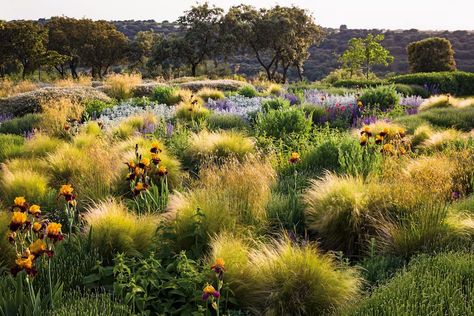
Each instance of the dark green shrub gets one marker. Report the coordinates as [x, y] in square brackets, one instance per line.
[275, 104]
[166, 95]
[431, 55]
[411, 90]
[248, 91]
[280, 123]
[383, 97]
[358, 83]
[172, 288]
[226, 121]
[457, 83]
[439, 285]
[20, 125]
[420, 91]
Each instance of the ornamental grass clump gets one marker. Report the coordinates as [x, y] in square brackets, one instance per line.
[59, 115]
[431, 285]
[114, 229]
[92, 167]
[217, 146]
[234, 251]
[33, 185]
[289, 279]
[40, 145]
[337, 211]
[209, 93]
[120, 86]
[443, 139]
[445, 101]
[192, 110]
[232, 197]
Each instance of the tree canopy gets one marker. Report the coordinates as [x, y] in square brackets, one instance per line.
[433, 54]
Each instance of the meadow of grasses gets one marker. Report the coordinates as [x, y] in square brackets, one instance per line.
[192, 199]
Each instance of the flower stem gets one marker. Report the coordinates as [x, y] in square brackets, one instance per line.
[50, 284]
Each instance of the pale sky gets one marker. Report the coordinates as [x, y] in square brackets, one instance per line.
[386, 14]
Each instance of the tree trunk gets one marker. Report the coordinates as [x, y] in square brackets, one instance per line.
[193, 69]
[300, 72]
[72, 67]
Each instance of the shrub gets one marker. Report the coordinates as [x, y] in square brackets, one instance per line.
[248, 91]
[166, 95]
[208, 93]
[171, 287]
[30, 102]
[318, 113]
[411, 90]
[275, 104]
[280, 123]
[20, 125]
[337, 211]
[342, 154]
[218, 146]
[430, 286]
[120, 86]
[94, 108]
[232, 197]
[383, 97]
[114, 229]
[298, 280]
[358, 83]
[222, 84]
[10, 146]
[432, 54]
[457, 83]
[217, 121]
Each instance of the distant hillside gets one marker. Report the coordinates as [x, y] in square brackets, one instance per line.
[324, 58]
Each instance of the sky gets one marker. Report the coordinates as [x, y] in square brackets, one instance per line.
[381, 14]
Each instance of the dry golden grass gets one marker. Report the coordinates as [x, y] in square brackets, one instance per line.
[69, 82]
[120, 86]
[57, 113]
[8, 88]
